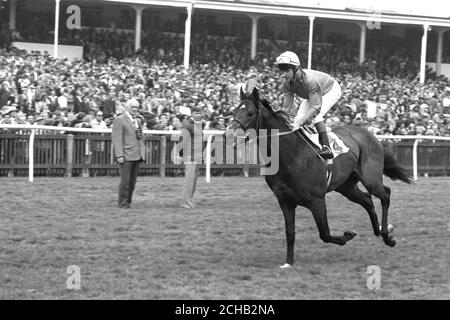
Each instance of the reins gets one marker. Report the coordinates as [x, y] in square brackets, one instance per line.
[279, 134]
[257, 125]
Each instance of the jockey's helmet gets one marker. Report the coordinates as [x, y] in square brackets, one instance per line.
[287, 59]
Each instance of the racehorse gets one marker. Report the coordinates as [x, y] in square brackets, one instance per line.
[301, 179]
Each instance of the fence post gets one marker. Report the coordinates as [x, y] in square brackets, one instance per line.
[12, 155]
[162, 164]
[31, 156]
[87, 159]
[208, 159]
[11, 170]
[245, 170]
[69, 156]
[415, 174]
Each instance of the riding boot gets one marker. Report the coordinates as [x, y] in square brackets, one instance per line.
[325, 152]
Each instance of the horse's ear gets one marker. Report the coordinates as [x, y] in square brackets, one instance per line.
[255, 94]
[242, 94]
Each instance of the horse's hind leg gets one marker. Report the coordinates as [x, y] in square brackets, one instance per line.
[319, 210]
[385, 202]
[384, 194]
[351, 191]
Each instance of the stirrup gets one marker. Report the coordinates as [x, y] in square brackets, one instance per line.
[326, 152]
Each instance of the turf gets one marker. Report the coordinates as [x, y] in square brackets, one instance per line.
[228, 247]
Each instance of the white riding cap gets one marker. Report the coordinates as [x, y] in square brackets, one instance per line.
[288, 57]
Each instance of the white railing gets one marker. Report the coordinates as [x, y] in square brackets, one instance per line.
[208, 133]
[416, 139]
[36, 128]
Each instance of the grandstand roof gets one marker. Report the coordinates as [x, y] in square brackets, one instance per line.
[433, 8]
[361, 10]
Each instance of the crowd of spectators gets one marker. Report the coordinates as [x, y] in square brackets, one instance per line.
[382, 94]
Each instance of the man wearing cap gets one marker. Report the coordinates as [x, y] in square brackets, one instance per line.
[129, 150]
[319, 91]
[192, 166]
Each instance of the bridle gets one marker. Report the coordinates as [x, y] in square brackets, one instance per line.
[246, 136]
[257, 123]
[240, 122]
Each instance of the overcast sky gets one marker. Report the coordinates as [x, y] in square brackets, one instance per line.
[439, 8]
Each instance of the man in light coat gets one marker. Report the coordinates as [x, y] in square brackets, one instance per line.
[129, 150]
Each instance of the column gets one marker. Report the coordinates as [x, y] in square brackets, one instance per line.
[55, 41]
[362, 42]
[187, 35]
[138, 27]
[254, 40]
[440, 40]
[423, 53]
[311, 31]
[12, 14]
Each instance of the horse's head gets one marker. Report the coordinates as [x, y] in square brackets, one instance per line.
[246, 114]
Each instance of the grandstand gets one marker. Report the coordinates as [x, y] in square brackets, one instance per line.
[254, 20]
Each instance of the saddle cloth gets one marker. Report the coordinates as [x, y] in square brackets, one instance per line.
[336, 144]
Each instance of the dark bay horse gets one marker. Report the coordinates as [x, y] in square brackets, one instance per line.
[301, 179]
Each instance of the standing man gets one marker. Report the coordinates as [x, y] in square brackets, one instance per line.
[192, 164]
[108, 104]
[129, 150]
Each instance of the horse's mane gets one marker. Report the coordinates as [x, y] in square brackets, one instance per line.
[266, 104]
[279, 115]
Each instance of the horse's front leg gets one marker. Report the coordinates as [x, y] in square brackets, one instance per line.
[289, 220]
[318, 208]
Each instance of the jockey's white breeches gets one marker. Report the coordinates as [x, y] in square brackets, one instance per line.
[328, 100]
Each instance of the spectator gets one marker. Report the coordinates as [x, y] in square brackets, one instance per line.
[5, 91]
[195, 128]
[98, 122]
[106, 79]
[129, 151]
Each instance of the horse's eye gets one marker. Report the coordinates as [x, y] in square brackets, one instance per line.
[250, 113]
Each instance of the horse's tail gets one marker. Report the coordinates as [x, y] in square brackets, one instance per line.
[392, 168]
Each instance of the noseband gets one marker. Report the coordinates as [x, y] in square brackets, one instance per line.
[279, 134]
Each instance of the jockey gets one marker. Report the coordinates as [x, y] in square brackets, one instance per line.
[319, 90]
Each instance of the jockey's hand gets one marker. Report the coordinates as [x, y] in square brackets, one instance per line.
[299, 122]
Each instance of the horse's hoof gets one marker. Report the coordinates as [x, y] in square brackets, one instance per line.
[390, 241]
[350, 234]
[286, 266]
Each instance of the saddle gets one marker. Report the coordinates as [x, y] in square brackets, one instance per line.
[336, 144]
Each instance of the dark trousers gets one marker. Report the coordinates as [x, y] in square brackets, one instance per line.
[128, 175]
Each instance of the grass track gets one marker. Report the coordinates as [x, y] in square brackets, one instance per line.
[229, 247]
